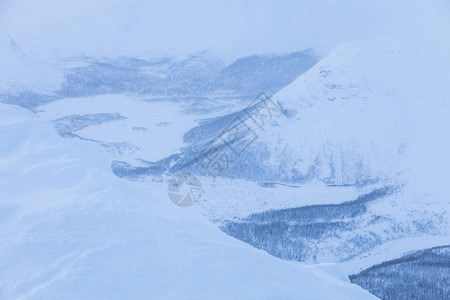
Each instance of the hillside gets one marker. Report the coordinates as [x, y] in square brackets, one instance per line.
[71, 230]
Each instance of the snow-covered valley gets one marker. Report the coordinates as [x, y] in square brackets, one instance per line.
[72, 230]
[317, 173]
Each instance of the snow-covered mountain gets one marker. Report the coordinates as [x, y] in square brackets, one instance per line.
[71, 230]
[310, 161]
[351, 119]
[371, 120]
[360, 132]
[22, 74]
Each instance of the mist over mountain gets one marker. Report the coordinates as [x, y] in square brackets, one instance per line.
[224, 150]
[231, 29]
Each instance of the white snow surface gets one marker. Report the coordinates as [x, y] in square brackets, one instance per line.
[71, 230]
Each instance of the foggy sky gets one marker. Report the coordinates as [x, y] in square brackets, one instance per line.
[228, 28]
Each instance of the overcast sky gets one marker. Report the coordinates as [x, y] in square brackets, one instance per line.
[229, 28]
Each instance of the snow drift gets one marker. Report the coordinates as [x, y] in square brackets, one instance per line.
[70, 230]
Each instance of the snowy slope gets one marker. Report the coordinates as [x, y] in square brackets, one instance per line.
[371, 109]
[24, 73]
[71, 230]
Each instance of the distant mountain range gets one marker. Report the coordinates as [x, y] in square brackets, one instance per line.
[196, 77]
